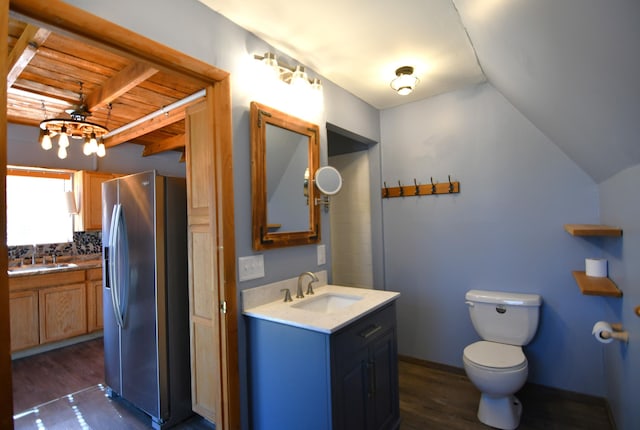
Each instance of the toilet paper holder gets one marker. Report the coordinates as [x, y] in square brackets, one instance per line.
[617, 333]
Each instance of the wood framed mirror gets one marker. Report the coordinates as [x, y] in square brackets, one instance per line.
[284, 158]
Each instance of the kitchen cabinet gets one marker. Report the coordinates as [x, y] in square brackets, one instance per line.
[23, 309]
[54, 306]
[94, 300]
[302, 378]
[87, 187]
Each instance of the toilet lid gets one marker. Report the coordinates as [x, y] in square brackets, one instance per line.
[496, 355]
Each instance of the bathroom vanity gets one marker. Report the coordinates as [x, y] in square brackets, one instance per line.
[327, 361]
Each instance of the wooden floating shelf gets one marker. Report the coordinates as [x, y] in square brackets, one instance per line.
[592, 230]
[421, 190]
[593, 286]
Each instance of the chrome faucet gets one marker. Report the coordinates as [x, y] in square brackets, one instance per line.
[314, 278]
[33, 255]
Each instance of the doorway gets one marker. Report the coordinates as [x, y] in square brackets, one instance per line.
[351, 210]
[215, 124]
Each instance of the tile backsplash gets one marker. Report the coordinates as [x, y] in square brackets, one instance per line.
[84, 243]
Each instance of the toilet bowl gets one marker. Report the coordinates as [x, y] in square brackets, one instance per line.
[498, 371]
[497, 365]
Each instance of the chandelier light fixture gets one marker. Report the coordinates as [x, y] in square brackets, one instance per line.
[405, 81]
[295, 76]
[75, 127]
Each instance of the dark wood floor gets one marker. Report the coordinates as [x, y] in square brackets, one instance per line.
[45, 377]
[63, 389]
[438, 397]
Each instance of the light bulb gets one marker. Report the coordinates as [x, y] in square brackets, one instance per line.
[63, 140]
[86, 148]
[46, 141]
[93, 143]
[62, 152]
[299, 77]
[316, 84]
[101, 151]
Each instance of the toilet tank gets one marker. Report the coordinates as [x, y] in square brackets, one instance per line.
[503, 317]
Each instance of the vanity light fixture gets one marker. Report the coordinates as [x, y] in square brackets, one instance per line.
[295, 76]
[75, 127]
[405, 81]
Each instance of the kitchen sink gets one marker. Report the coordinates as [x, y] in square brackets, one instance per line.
[34, 268]
[327, 303]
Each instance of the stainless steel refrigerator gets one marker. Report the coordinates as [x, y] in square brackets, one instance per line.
[145, 295]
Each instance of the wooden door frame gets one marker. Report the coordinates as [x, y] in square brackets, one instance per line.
[87, 27]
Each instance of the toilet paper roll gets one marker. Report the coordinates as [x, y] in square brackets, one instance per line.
[598, 328]
[596, 267]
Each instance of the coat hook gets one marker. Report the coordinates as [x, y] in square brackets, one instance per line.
[401, 190]
[450, 185]
[433, 186]
[416, 184]
[386, 190]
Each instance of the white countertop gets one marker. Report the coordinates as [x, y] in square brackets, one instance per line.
[285, 313]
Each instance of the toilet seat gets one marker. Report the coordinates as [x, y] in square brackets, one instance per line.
[495, 356]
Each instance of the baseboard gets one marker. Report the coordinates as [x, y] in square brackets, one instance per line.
[432, 364]
[55, 345]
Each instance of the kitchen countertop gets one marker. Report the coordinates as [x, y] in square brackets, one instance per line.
[286, 313]
[80, 264]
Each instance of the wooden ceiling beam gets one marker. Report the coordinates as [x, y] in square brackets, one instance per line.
[128, 78]
[24, 50]
[169, 144]
[146, 127]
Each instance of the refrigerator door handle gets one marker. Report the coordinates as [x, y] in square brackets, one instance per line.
[114, 261]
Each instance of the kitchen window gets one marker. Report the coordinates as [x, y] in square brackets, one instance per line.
[37, 211]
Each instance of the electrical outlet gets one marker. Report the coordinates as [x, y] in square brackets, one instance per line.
[251, 267]
[322, 254]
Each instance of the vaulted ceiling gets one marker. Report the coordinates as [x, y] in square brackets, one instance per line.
[50, 73]
[570, 66]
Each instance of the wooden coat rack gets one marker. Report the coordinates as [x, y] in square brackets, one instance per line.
[449, 187]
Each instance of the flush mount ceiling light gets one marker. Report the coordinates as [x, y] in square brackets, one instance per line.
[295, 76]
[405, 81]
[75, 127]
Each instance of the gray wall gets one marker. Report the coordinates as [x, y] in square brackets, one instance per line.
[504, 231]
[620, 206]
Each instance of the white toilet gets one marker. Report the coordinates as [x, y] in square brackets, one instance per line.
[496, 365]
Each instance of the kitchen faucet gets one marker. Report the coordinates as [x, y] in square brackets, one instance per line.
[314, 278]
[33, 255]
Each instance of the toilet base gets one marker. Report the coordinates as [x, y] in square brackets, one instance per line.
[500, 412]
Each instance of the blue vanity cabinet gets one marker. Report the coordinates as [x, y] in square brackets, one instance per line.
[305, 379]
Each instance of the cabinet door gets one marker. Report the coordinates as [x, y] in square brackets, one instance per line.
[63, 312]
[23, 308]
[351, 391]
[365, 381]
[94, 306]
[88, 190]
[383, 374]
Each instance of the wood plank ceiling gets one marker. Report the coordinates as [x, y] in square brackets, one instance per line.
[49, 73]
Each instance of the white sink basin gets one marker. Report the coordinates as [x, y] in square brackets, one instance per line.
[327, 303]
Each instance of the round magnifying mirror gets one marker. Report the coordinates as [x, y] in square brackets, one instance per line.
[328, 180]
